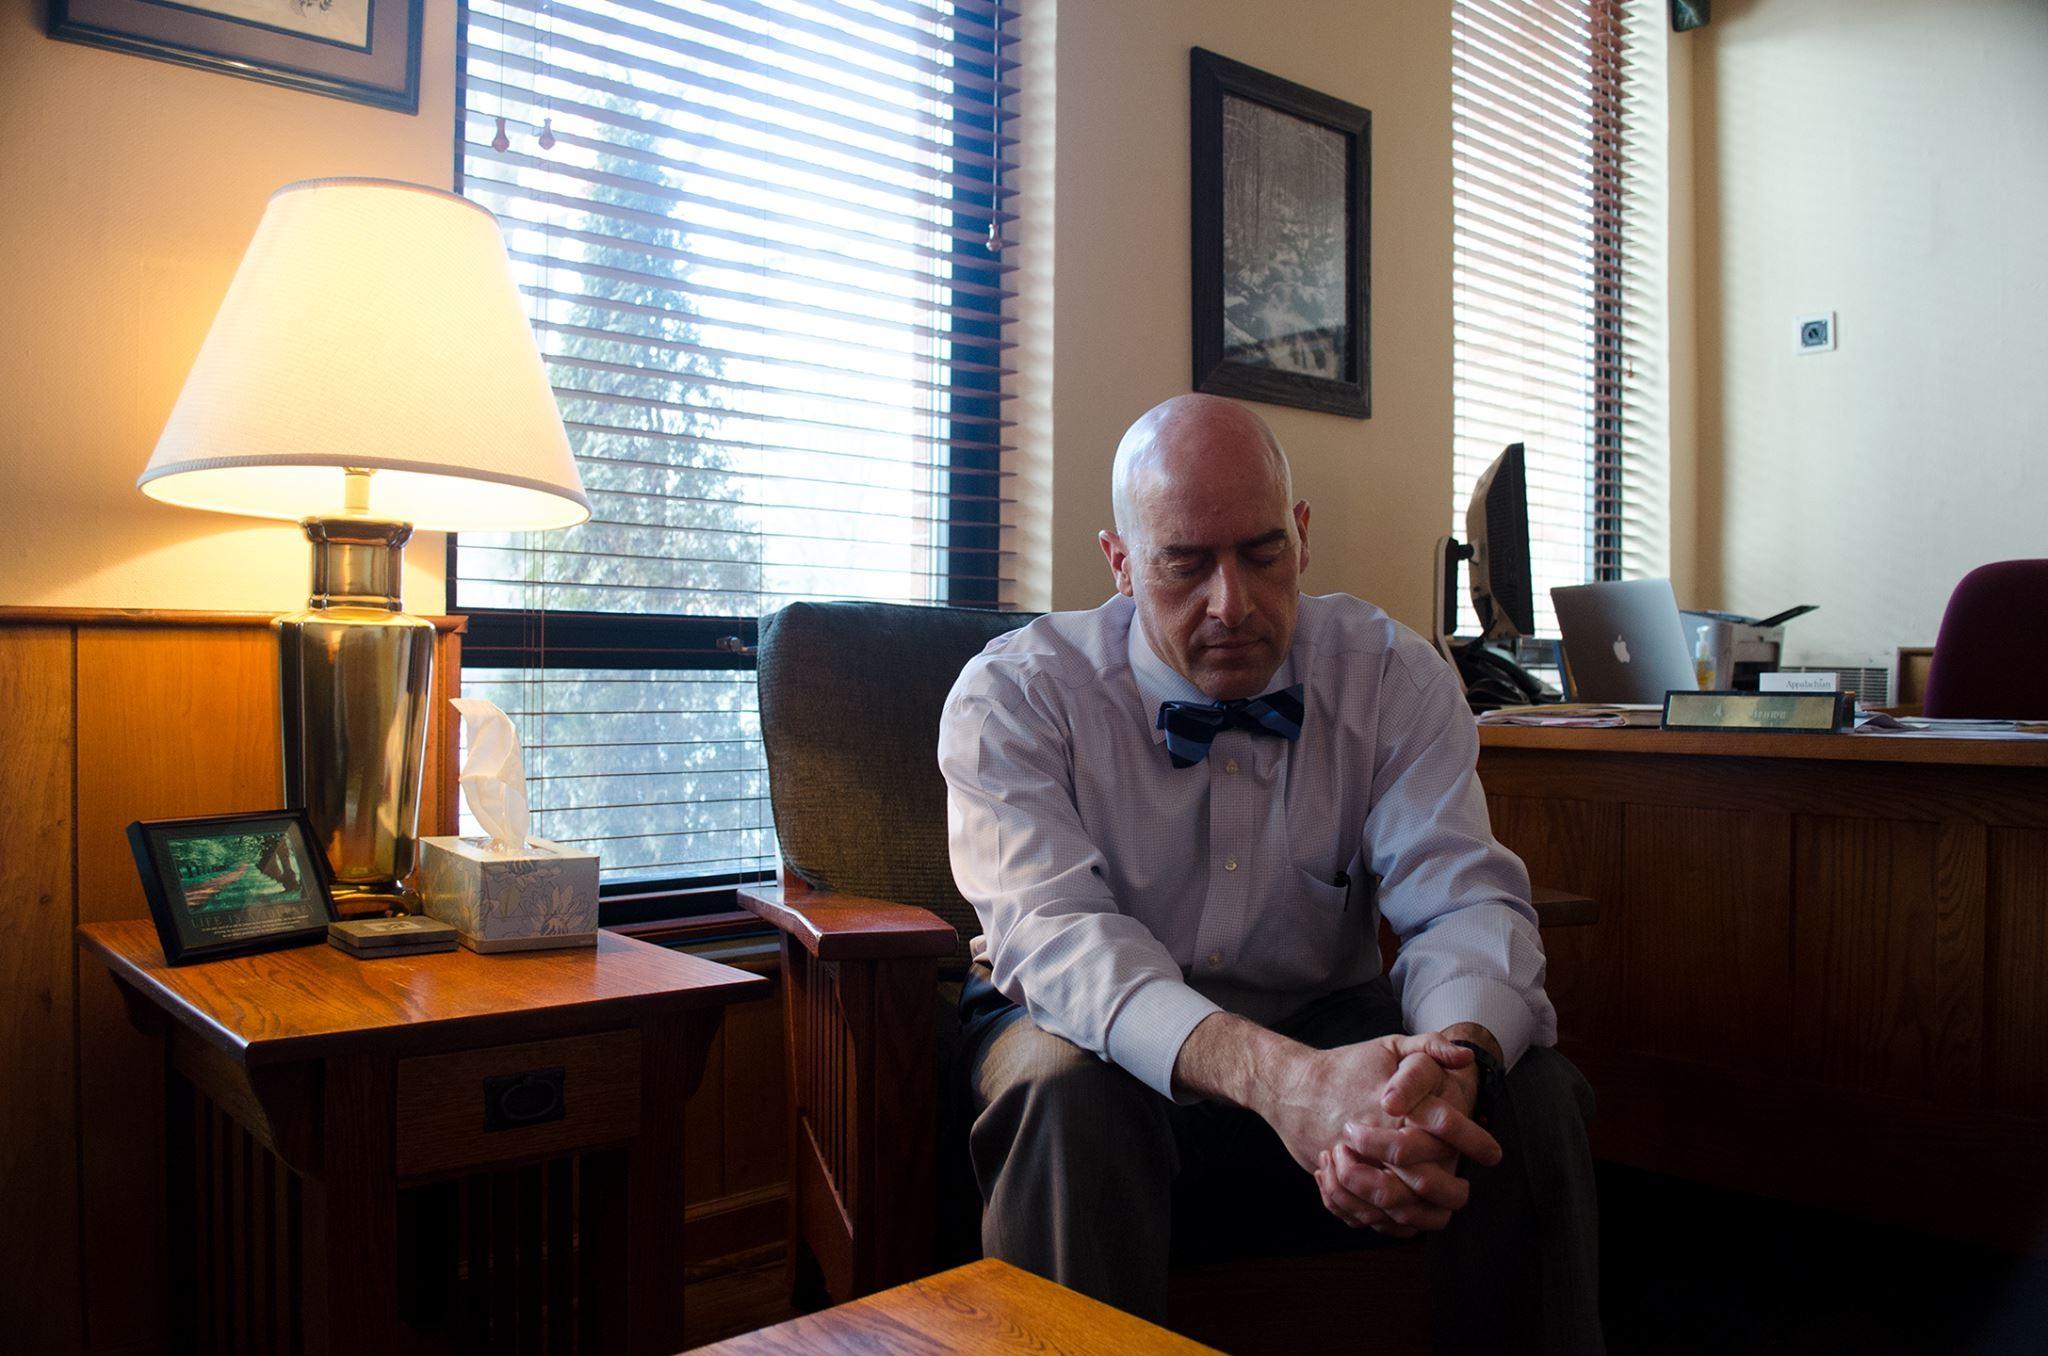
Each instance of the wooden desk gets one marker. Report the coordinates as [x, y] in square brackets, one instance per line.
[981, 1309]
[337, 1178]
[1820, 970]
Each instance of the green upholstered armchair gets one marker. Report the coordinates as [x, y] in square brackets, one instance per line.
[873, 930]
[873, 949]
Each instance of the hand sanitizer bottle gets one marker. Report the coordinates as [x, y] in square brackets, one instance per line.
[1703, 659]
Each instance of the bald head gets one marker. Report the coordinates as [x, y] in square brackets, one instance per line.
[1209, 542]
[1194, 440]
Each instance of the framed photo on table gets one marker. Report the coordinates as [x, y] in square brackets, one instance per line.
[228, 885]
[1281, 217]
[366, 51]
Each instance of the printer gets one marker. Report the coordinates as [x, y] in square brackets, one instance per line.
[1741, 647]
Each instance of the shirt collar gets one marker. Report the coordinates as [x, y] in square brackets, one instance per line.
[1158, 681]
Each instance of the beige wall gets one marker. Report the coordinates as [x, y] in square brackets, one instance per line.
[130, 188]
[1883, 159]
[138, 183]
[1381, 487]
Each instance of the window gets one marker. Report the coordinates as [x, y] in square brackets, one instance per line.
[762, 243]
[1551, 153]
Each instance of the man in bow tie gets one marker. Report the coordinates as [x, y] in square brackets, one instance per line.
[1179, 817]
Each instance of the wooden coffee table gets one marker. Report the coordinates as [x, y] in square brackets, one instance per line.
[983, 1307]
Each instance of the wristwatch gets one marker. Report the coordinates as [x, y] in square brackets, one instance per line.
[1492, 1077]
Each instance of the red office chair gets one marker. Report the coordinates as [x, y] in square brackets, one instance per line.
[1991, 658]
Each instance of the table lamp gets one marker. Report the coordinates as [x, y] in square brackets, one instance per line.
[371, 371]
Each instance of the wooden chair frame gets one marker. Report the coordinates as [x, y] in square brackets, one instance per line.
[859, 978]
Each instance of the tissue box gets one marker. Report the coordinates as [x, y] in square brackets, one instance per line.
[540, 896]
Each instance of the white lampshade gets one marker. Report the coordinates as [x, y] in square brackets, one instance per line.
[372, 324]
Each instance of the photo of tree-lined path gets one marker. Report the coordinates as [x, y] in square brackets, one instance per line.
[236, 870]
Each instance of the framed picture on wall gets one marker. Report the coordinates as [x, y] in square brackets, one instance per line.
[1282, 232]
[367, 51]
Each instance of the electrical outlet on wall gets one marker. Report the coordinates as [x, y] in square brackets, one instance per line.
[1817, 332]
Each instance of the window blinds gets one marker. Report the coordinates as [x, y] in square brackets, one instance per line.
[1540, 154]
[763, 247]
[763, 244]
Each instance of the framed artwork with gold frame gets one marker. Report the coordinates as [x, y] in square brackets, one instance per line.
[366, 51]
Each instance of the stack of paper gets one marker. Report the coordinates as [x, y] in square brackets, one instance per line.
[1577, 715]
[1876, 722]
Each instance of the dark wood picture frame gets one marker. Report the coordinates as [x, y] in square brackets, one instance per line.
[384, 72]
[1348, 390]
[170, 907]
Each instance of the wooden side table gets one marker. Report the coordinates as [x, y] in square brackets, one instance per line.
[425, 1152]
[984, 1308]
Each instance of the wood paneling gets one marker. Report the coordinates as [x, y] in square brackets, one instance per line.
[704, 1129]
[2017, 930]
[113, 716]
[177, 722]
[1959, 884]
[38, 1147]
[1574, 845]
[1698, 938]
[673, 1052]
[1835, 960]
[1890, 955]
[753, 1089]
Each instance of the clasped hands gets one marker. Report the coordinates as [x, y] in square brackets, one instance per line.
[1382, 1125]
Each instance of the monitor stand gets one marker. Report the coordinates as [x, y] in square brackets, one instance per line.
[1491, 677]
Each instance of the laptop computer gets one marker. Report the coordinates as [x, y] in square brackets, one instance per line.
[1623, 642]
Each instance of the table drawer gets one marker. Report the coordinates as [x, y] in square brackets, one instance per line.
[476, 1108]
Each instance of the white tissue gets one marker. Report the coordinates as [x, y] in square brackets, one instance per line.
[494, 775]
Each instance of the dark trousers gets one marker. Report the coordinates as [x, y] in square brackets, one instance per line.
[1090, 1178]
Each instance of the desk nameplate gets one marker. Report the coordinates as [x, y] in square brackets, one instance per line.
[1757, 712]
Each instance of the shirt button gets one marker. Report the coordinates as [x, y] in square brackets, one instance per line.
[1231, 767]
[1230, 864]
[1215, 959]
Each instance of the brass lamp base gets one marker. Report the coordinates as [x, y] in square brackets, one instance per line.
[356, 672]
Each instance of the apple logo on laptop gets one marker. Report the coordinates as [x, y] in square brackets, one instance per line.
[1621, 649]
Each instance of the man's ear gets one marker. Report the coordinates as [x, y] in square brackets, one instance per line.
[1301, 530]
[1119, 557]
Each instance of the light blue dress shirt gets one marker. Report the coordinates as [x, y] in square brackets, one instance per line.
[1122, 900]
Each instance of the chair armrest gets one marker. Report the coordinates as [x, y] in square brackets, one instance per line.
[1562, 908]
[832, 926]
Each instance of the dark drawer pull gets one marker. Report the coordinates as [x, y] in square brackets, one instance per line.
[521, 1099]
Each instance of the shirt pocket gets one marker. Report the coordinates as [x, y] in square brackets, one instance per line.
[1300, 941]
[1323, 896]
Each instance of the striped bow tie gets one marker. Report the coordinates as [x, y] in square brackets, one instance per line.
[1192, 726]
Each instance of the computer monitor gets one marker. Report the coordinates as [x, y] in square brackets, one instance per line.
[1497, 529]
[1503, 592]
